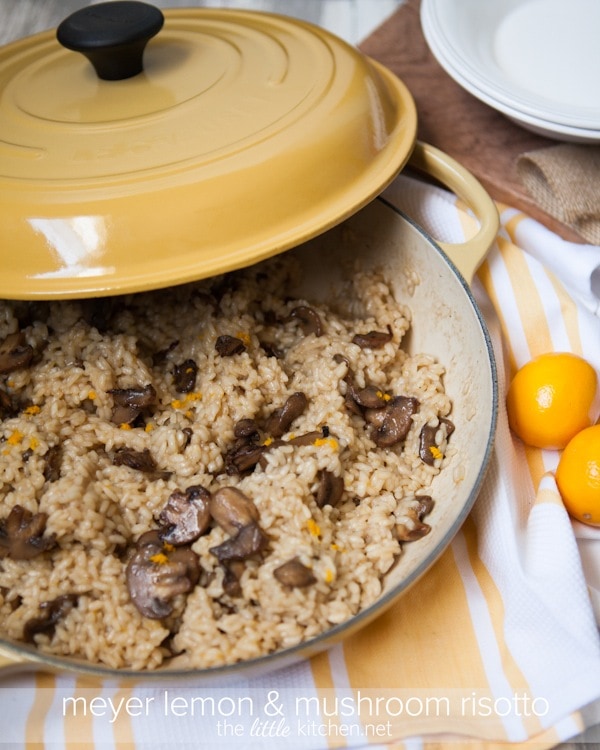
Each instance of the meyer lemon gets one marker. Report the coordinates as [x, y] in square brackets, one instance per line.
[578, 476]
[552, 398]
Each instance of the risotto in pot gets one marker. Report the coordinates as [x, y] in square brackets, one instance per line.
[209, 473]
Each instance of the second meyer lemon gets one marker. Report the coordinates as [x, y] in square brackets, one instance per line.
[578, 476]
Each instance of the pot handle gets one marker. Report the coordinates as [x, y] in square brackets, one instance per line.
[466, 256]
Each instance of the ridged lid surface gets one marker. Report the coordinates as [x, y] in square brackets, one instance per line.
[244, 135]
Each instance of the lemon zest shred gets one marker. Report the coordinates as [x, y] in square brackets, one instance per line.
[168, 547]
[332, 442]
[159, 558]
[329, 575]
[243, 336]
[31, 410]
[149, 427]
[313, 527]
[92, 395]
[435, 451]
[124, 426]
[179, 403]
[33, 443]
[15, 437]
[268, 441]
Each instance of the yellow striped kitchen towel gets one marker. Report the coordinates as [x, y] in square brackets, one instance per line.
[496, 647]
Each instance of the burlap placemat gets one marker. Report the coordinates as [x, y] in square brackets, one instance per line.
[565, 181]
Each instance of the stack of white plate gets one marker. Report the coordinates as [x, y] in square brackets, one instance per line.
[536, 61]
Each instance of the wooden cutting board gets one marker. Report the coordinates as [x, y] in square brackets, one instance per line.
[481, 139]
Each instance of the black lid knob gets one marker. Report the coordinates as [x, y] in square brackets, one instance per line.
[112, 35]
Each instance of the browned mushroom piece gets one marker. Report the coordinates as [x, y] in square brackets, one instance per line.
[307, 438]
[425, 506]
[371, 397]
[418, 528]
[52, 463]
[231, 578]
[52, 612]
[374, 417]
[418, 531]
[243, 457]
[350, 401]
[141, 396]
[189, 434]
[14, 602]
[238, 516]
[15, 353]
[131, 402]
[450, 426]
[157, 573]
[7, 408]
[373, 339]
[396, 421]
[271, 350]
[294, 574]
[249, 540]
[232, 509]
[227, 346]
[427, 440]
[22, 534]
[184, 376]
[246, 452]
[160, 356]
[427, 444]
[338, 358]
[138, 460]
[246, 428]
[88, 406]
[330, 489]
[309, 319]
[281, 419]
[186, 516]
[349, 396]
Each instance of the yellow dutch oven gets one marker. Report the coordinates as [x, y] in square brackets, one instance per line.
[182, 145]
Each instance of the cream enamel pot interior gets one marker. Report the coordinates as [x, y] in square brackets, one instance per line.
[447, 324]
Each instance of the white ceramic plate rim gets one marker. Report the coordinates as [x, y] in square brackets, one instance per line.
[539, 125]
[445, 24]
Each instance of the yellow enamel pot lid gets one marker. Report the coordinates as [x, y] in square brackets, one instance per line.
[244, 135]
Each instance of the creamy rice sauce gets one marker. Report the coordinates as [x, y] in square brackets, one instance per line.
[118, 414]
